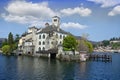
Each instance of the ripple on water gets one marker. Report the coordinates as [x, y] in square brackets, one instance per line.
[29, 68]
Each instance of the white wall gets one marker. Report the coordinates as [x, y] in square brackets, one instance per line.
[28, 44]
[48, 46]
[40, 40]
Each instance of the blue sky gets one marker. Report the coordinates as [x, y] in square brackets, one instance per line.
[98, 18]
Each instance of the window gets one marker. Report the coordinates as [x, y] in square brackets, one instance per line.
[56, 35]
[55, 20]
[39, 49]
[43, 36]
[60, 36]
[39, 43]
[60, 42]
[39, 36]
[43, 43]
[43, 48]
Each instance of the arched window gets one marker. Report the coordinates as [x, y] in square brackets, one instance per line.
[43, 48]
[43, 36]
[60, 36]
[39, 36]
[56, 35]
[43, 43]
[60, 42]
[39, 48]
[39, 42]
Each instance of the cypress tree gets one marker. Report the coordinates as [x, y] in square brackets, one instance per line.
[10, 41]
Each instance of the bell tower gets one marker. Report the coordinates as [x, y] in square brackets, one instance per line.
[56, 21]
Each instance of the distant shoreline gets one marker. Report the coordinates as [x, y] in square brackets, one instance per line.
[105, 50]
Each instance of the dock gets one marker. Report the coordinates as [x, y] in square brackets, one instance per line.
[100, 57]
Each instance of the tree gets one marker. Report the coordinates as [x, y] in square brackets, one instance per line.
[115, 45]
[16, 41]
[84, 44]
[10, 41]
[17, 37]
[90, 47]
[105, 43]
[6, 49]
[85, 36]
[9, 45]
[4, 43]
[69, 43]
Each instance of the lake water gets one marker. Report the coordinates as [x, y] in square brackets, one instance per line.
[29, 68]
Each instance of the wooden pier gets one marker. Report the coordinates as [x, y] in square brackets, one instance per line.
[100, 57]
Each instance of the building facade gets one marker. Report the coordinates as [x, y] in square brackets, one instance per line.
[41, 41]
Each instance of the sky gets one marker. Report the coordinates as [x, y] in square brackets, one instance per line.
[98, 18]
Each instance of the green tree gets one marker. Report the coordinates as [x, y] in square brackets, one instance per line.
[10, 44]
[10, 41]
[6, 50]
[115, 45]
[4, 43]
[69, 43]
[16, 41]
[17, 37]
[90, 46]
[105, 43]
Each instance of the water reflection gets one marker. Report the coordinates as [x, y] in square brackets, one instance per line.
[83, 67]
[29, 68]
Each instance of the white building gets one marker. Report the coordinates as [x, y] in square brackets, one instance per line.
[40, 41]
[28, 40]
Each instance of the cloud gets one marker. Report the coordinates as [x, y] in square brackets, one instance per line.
[22, 8]
[77, 10]
[115, 11]
[27, 12]
[39, 13]
[106, 3]
[73, 25]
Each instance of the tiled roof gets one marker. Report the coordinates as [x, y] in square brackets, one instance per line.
[52, 28]
[24, 34]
